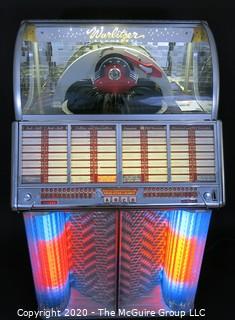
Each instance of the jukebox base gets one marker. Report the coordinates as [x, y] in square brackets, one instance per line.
[123, 259]
[151, 302]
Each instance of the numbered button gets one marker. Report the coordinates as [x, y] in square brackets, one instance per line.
[132, 199]
[107, 199]
[115, 199]
[124, 199]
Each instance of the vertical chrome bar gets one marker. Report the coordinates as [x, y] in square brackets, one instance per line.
[14, 164]
[16, 73]
[168, 146]
[69, 141]
[187, 66]
[20, 138]
[216, 77]
[119, 152]
[220, 161]
[38, 78]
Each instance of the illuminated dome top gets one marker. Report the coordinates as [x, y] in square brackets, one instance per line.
[120, 70]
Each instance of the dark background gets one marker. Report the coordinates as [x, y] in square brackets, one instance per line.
[216, 291]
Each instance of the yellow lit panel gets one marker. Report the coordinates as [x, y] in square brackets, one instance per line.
[126, 163]
[57, 171]
[58, 148]
[127, 148]
[106, 140]
[97, 144]
[57, 156]
[93, 157]
[82, 164]
[180, 178]
[80, 156]
[105, 171]
[57, 179]
[106, 156]
[159, 178]
[181, 155]
[158, 170]
[179, 148]
[107, 148]
[80, 149]
[157, 163]
[144, 154]
[44, 154]
[131, 141]
[80, 179]
[156, 148]
[106, 179]
[127, 171]
[106, 164]
[192, 153]
[179, 170]
[158, 156]
[81, 171]
[180, 163]
[131, 156]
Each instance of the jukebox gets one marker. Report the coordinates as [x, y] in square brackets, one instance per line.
[117, 161]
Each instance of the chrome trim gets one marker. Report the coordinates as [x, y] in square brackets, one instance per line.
[69, 147]
[14, 165]
[119, 153]
[190, 122]
[102, 117]
[115, 185]
[118, 206]
[221, 162]
[86, 21]
[216, 78]
[168, 145]
[16, 73]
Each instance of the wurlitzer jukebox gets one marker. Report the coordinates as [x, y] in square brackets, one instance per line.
[117, 161]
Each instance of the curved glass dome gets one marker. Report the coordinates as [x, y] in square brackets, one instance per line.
[154, 69]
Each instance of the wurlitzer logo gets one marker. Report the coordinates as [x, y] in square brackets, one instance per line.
[123, 35]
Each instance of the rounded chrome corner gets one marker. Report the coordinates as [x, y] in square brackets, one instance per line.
[215, 63]
[16, 71]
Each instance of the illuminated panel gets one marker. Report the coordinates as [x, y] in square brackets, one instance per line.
[44, 154]
[192, 154]
[142, 252]
[144, 154]
[184, 252]
[94, 254]
[47, 240]
[93, 154]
